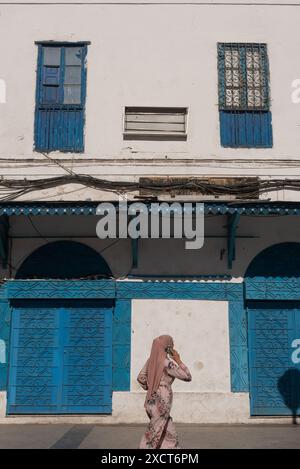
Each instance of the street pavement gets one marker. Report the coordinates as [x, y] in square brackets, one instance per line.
[59, 436]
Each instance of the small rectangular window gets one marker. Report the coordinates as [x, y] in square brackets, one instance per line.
[244, 101]
[60, 99]
[155, 122]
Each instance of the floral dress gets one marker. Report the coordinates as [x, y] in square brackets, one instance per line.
[161, 432]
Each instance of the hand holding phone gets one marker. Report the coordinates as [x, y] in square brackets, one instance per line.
[176, 356]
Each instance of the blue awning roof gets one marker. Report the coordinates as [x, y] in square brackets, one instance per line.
[89, 208]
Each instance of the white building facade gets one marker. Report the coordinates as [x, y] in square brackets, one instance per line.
[149, 101]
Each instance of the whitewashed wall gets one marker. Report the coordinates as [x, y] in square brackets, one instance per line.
[155, 55]
[163, 257]
[200, 328]
[200, 333]
[149, 55]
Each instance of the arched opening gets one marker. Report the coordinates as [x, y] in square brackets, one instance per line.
[278, 260]
[64, 260]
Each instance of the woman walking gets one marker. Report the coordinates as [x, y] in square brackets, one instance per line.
[156, 377]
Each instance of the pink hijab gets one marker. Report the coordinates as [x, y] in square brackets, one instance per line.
[156, 362]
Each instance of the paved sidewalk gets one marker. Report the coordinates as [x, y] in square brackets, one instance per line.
[128, 436]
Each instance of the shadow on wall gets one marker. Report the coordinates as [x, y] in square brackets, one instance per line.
[64, 260]
[289, 387]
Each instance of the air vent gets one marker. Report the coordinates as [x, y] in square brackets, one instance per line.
[155, 121]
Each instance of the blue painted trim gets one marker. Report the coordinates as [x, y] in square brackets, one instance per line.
[121, 345]
[221, 75]
[261, 288]
[39, 75]
[243, 72]
[239, 368]
[180, 290]
[38, 92]
[180, 277]
[62, 74]
[122, 289]
[123, 292]
[5, 318]
[63, 43]
[52, 289]
[89, 208]
[233, 221]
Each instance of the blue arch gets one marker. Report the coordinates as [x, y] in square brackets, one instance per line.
[279, 260]
[64, 260]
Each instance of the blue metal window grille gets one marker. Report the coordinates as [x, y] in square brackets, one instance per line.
[244, 98]
[60, 97]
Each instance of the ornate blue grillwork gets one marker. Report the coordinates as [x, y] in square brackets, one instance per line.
[244, 97]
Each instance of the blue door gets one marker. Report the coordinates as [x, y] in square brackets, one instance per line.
[274, 357]
[60, 357]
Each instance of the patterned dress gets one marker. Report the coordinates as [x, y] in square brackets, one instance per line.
[161, 432]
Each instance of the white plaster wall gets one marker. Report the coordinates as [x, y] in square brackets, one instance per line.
[162, 55]
[200, 333]
[163, 257]
[200, 330]
[2, 404]
[128, 407]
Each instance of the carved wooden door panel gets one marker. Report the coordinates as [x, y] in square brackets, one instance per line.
[274, 357]
[60, 357]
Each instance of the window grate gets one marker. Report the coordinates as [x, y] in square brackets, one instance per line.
[243, 77]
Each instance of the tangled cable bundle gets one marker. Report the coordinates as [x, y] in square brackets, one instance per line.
[243, 188]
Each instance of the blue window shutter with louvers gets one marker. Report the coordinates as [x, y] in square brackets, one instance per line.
[60, 98]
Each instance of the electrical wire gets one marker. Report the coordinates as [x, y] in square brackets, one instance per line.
[243, 188]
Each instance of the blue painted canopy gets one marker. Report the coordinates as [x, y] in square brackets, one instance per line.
[89, 208]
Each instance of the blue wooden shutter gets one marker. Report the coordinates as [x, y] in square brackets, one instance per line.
[60, 98]
[274, 377]
[248, 129]
[34, 380]
[244, 103]
[87, 356]
[60, 357]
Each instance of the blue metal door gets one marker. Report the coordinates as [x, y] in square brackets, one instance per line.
[60, 357]
[274, 357]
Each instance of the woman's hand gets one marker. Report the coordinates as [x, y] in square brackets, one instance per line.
[176, 357]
